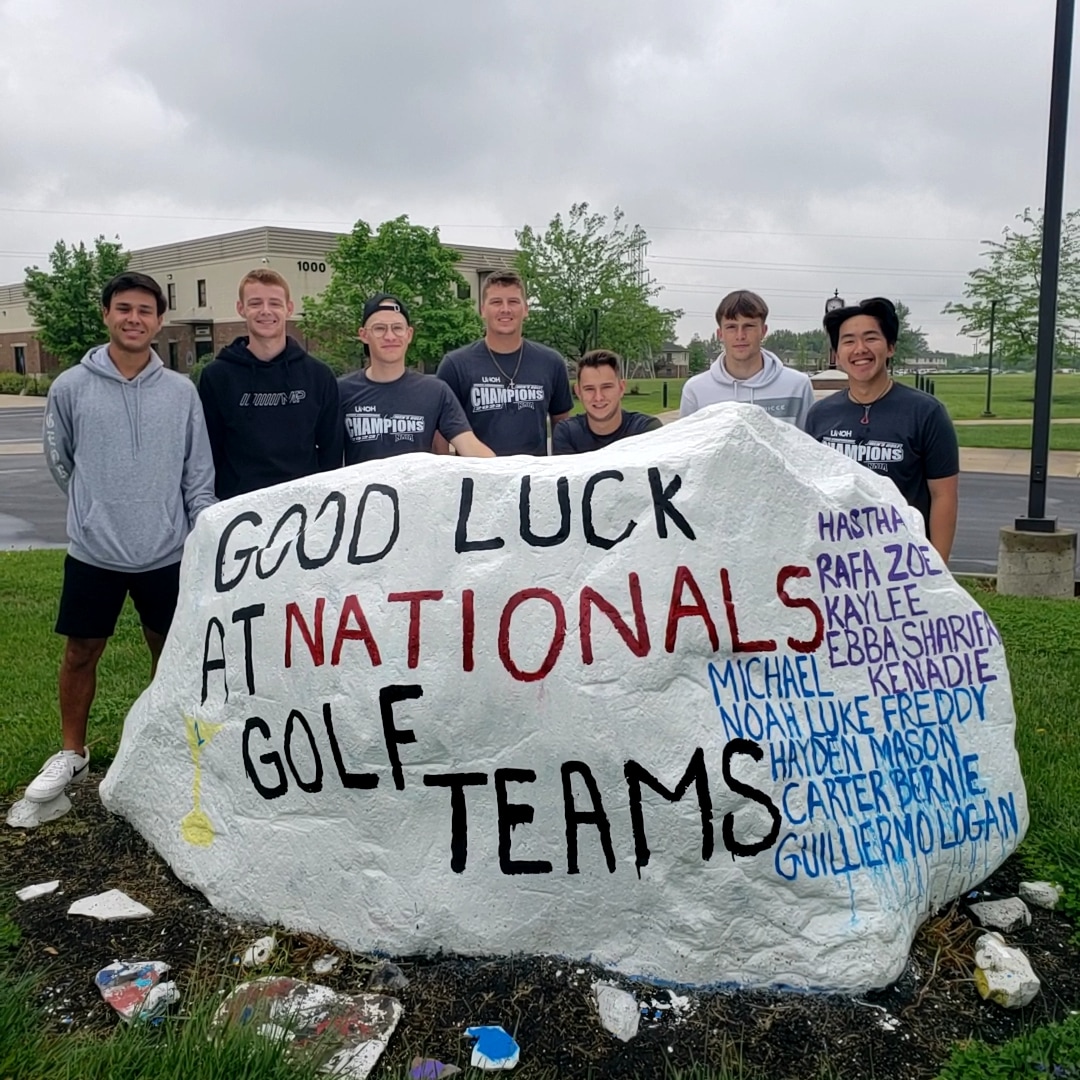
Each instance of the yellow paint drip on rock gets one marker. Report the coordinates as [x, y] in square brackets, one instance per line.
[195, 827]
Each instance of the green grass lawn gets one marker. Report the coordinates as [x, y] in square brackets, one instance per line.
[963, 395]
[1016, 436]
[649, 397]
[1012, 397]
[1043, 646]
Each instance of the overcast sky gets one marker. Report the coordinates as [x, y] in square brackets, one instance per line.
[788, 146]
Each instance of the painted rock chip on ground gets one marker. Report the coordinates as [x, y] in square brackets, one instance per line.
[348, 1033]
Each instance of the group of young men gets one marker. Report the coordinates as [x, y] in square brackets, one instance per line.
[140, 453]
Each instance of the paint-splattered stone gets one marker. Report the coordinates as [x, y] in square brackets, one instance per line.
[347, 1033]
[134, 988]
[715, 671]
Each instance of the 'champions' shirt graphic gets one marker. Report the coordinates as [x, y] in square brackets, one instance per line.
[384, 419]
[876, 454]
[367, 424]
[491, 393]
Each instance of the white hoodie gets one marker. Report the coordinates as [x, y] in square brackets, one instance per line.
[783, 392]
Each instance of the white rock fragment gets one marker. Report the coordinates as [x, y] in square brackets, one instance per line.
[32, 892]
[1042, 894]
[259, 952]
[25, 814]
[325, 964]
[109, 905]
[619, 1011]
[1008, 916]
[1003, 974]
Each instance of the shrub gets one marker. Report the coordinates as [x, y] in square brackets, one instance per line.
[11, 382]
[39, 387]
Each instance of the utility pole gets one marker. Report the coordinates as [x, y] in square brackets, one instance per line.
[990, 359]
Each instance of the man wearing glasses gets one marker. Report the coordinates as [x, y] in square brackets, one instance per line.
[894, 430]
[388, 410]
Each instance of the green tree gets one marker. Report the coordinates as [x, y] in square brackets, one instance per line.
[407, 261]
[911, 342]
[698, 355]
[805, 349]
[65, 301]
[1010, 276]
[584, 280]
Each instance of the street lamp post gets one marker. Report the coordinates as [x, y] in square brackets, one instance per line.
[1036, 520]
[1036, 558]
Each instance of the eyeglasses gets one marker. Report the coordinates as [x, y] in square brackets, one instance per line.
[380, 330]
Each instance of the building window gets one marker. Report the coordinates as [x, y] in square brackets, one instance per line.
[200, 287]
[464, 290]
[20, 359]
[174, 353]
[172, 296]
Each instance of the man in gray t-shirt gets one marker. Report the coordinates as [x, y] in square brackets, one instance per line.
[387, 410]
[508, 386]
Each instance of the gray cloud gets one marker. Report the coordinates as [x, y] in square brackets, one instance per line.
[754, 138]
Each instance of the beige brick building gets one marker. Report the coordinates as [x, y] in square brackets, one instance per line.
[199, 279]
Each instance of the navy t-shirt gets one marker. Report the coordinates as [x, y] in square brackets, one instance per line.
[574, 436]
[506, 402]
[383, 419]
[908, 437]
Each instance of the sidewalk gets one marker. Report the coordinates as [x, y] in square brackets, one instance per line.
[21, 401]
[975, 459]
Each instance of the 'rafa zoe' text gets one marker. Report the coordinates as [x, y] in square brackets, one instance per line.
[828, 782]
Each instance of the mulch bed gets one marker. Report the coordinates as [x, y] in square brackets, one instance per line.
[904, 1031]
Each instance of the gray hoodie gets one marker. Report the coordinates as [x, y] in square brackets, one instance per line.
[783, 392]
[134, 459]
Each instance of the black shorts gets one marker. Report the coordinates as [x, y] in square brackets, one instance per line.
[92, 598]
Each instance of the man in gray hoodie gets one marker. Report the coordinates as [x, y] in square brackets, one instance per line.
[126, 441]
[745, 371]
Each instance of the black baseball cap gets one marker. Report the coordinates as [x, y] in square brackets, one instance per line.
[877, 307]
[382, 301]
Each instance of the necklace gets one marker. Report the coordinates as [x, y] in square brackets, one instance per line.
[867, 405]
[517, 367]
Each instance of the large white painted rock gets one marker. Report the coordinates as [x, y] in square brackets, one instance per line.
[703, 706]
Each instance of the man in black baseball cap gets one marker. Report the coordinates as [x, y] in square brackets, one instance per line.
[387, 409]
[890, 428]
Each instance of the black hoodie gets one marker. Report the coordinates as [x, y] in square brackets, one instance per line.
[269, 420]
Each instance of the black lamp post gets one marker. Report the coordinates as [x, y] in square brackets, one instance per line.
[1036, 520]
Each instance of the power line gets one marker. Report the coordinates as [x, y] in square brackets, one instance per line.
[348, 224]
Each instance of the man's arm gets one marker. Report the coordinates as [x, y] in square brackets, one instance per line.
[58, 437]
[468, 445]
[330, 429]
[941, 459]
[213, 421]
[806, 406]
[197, 480]
[944, 503]
[687, 401]
[561, 404]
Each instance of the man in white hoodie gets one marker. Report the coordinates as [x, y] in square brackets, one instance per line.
[126, 441]
[745, 371]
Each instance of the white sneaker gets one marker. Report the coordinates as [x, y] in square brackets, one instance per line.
[66, 767]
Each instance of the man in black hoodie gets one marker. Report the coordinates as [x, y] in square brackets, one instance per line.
[271, 409]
